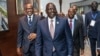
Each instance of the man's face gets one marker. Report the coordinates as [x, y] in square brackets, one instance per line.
[51, 10]
[75, 9]
[94, 6]
[71, 13]
[29, 9]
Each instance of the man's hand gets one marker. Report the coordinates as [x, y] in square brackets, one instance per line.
[32, 36]
[82, 52]
[19, 51]
[98, 50]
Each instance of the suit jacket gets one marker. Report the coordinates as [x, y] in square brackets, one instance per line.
[78, 35]
[80, 18]
[84, 25]
[62, 38]
[97, 31]
[24, 30]
[91, 30]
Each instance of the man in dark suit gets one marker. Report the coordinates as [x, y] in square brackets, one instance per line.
[27, 32]
[76, 27]
[91, 18]
[80, 17]
[83, 19]
[53, 35]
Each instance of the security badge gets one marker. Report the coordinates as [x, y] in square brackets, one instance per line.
[92, 23]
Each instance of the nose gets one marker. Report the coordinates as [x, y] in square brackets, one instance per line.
[52, 10]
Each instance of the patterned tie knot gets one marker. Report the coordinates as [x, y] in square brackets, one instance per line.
[29, 16]
[51, 20]
[70, 20]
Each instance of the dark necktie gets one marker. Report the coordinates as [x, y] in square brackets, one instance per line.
[30, 21]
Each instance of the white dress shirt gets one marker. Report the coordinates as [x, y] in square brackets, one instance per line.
[75, 16]
[98, 48]
[83, 15]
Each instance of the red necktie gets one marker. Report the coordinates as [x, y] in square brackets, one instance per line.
[70, 24]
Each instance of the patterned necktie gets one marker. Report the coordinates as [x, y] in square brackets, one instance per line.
[30, 22]
[70, 24]
[52, 32]
[52, 29]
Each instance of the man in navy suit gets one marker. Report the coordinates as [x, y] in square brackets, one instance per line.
[27, 32]
[53, 35]
[91, 18]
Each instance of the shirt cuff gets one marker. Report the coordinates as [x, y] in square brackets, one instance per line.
[98, 48]
[69, 55]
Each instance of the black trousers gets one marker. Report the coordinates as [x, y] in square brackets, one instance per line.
[76, 52]
[93, 46]
[31, 51]
[54, 53]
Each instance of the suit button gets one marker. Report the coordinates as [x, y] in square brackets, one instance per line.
[73, 40]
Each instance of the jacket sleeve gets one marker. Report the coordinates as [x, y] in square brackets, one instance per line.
[81, 36]
[38, 42]
[97, 30]
[20, 34]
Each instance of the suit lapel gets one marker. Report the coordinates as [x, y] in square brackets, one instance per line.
[75, 25]
[26, 22]
[47, 28]
[33, 22]
[56, 27]
[97, 16]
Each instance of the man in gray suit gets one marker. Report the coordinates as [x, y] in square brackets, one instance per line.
[27, 32]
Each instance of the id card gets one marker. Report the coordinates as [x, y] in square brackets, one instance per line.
[92, 23]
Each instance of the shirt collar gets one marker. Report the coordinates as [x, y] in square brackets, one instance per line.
[54, 18]
[29, 16]
[72, 19]
[94, 11]
[75, 16]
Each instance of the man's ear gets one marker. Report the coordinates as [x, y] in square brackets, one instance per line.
[46, 11]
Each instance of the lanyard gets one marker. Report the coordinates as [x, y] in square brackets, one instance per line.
[94, 16]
